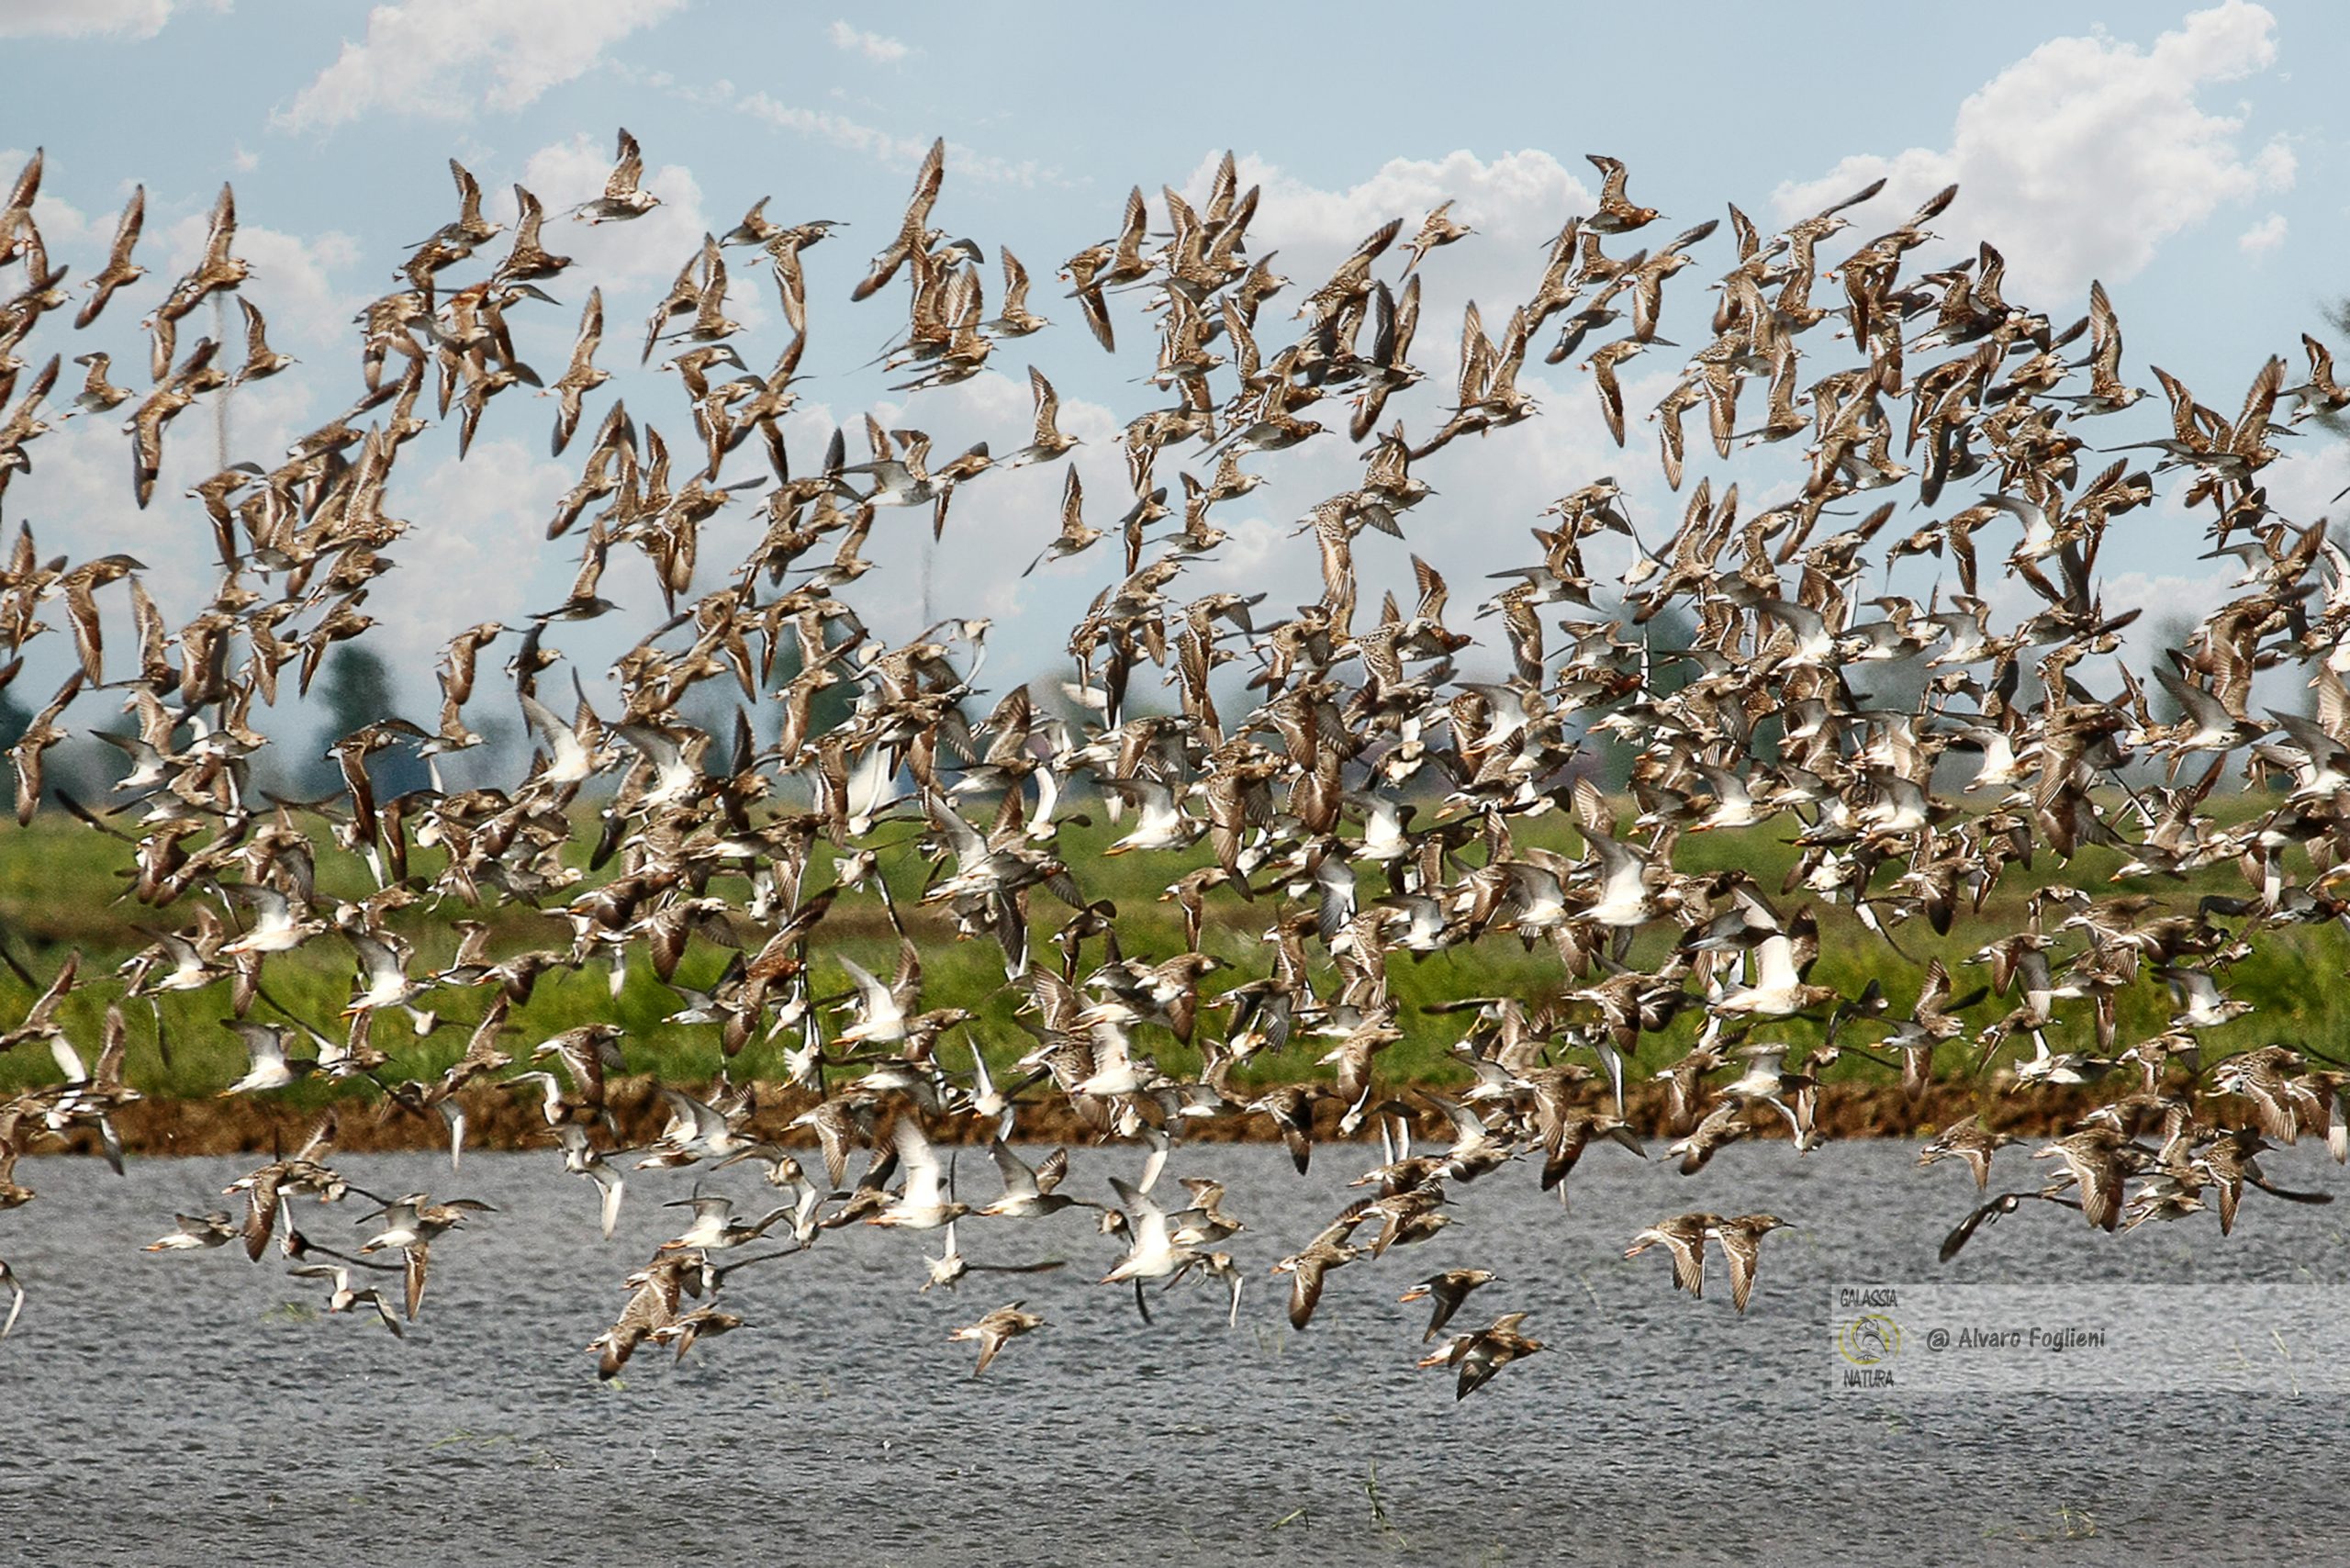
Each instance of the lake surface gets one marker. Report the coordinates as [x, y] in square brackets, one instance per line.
[196, 1408]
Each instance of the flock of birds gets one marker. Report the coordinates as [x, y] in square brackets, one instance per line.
[1366, 796]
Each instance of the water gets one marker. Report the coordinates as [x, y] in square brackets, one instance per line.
[170, 1408]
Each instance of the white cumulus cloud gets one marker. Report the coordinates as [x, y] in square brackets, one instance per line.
[884, 147]
[292, 279]
[2081, 158]
[622, 256]
[875, 47]
[80, 19]
[1517, 196]
[475, 546]
[2264, 236]
[440, 58]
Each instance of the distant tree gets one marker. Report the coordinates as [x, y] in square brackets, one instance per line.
[831, 709]
[2171, 635]
[2336, 422]
[356, 690]
[1669, 634]
[14, 717]
[1672, 632]
[1893, 685]
[498, 760]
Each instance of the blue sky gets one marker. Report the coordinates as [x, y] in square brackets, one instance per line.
[2191, 158]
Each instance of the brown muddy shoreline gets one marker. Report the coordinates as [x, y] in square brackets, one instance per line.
[502, 1121]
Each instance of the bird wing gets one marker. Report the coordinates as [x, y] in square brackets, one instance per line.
[1019, 1181]
[925, 1179]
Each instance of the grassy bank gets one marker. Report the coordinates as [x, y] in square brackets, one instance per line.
[61, 888]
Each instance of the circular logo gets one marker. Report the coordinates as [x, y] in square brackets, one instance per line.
[1868, 1339]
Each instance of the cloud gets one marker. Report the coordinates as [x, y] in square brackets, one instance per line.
[470, 524]
[2172, 601]
[2264, 236]
[886, 147]
[1517, 196]
[873, 46]
[2303, 484]
[439, 57]
[291, 283]
[2081, 158]
[81, 472]
[1512, 202]
[854, 135]
[63, 226]
[996, 524]
[48, 18]
[1489, 488]
[635, 254]
[293, 277]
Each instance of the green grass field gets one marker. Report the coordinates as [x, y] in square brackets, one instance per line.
[62, 888]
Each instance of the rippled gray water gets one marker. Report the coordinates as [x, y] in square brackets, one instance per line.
[189, 1408]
